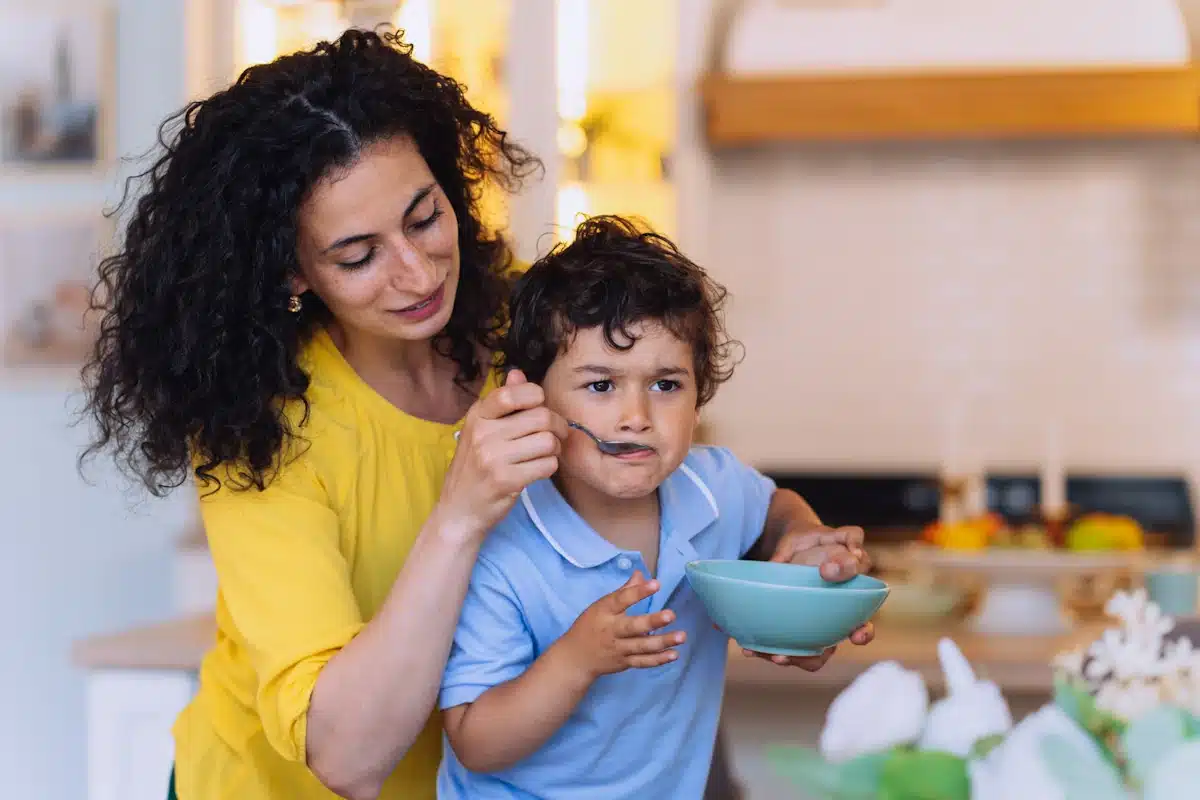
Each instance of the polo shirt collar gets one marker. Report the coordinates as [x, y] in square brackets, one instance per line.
[687, 507]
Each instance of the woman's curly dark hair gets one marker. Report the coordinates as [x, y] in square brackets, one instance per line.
[613, 276]
[196, 361]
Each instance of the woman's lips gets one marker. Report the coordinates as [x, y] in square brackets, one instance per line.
[426, 308]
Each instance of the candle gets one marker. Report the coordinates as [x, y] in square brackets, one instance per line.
[976, 499]
[953, 423]
[1053, 477]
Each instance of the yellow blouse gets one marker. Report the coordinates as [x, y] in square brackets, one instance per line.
[301, 567]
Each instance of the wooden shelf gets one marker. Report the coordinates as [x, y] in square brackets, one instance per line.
[1094, 103]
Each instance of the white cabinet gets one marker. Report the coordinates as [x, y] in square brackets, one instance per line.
[129, 742]
[195, 580]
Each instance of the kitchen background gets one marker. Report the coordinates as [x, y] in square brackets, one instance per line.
[927, 303]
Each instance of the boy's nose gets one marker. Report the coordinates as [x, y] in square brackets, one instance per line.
[635, 417]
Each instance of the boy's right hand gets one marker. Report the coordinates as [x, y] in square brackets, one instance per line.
[605, 640]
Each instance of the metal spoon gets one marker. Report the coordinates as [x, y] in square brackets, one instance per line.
[609, 447]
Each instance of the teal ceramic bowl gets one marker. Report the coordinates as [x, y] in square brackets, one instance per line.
[783, 609]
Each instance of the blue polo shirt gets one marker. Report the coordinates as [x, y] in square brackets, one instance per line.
[638, 733]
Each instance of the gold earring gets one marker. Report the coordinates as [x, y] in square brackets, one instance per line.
[294, 304]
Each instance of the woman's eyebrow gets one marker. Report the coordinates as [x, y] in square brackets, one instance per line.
[346, 241]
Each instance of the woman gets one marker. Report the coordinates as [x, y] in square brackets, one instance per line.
[302, 318]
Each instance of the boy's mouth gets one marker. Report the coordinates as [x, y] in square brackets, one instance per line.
[640, 454]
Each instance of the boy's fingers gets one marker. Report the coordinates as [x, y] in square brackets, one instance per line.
[644, 645]
[645, 623]
[864, 634]
[634, 591]
[652, 660]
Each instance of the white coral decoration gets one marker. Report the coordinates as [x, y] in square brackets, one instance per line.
[1136, 649]
[1132, 668]
[1129, 700]
[970, 711]
[883, 707]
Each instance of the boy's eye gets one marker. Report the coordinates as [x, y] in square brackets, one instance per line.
[666, 385]
[600, 386]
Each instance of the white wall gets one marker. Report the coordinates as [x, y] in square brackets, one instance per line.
[901, 304]
[78, 558]
[880, 290]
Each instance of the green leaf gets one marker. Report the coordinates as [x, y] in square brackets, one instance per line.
[861, 776]
[924, 775]
[1075, 702]
[1101, 726]
[856, 779]
[808, 771]
[1081, 773]
[984, 746]
[1151, 736]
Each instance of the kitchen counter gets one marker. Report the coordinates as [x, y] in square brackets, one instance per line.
[179, 644]
[139, 681]
[1015, 663]
[1018, 664]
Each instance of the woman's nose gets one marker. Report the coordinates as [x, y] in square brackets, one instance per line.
[414, 272]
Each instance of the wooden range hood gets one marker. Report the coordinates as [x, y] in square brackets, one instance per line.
[1093, 101]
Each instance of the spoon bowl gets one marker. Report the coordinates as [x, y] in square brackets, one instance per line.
[609, 446]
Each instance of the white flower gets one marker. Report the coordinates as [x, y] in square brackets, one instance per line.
[1183, 689]
[970, 711]
[883, 707]
[1070, 663]
[1122, 656]
[1178, 656]
[1136, 651]
[1129, 700]
[1016, 769]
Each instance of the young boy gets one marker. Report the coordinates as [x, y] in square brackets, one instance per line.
[584, 666]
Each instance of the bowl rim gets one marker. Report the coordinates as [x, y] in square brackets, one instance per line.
[882, 587]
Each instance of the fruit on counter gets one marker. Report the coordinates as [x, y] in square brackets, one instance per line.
[1099, 531]
[969, 534]
[1026, 537]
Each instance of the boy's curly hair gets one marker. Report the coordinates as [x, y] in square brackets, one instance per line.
[615, 275]
[197, 354]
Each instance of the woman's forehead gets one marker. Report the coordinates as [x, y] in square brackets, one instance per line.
[378, 186]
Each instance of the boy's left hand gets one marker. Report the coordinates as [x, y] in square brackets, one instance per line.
[840, 555]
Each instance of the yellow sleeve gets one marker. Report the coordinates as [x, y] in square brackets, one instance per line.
[286, 586]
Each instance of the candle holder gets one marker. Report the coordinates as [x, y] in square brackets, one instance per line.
[953, 490]
[1056, 521]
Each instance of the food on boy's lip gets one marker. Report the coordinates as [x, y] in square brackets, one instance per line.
[1099, 531]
